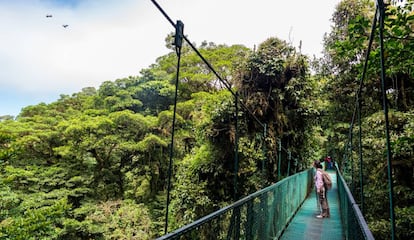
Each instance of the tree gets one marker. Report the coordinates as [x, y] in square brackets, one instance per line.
[274, 85]
[345, 49]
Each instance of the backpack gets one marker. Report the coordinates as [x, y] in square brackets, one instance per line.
[327, 180]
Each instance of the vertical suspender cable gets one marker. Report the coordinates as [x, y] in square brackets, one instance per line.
[223, 81]
[343, 165]
[350, 135]
[179, 30]
[236, 147]
[358, 110]
[361, 166]
[279, 158]
[381, 9]
[264, 148]
[289, 159]
[361, 175]
[296, 165]
[351, 155]
[264, 152]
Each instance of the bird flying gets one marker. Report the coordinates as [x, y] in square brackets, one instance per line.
[65, 25]
[49, 15]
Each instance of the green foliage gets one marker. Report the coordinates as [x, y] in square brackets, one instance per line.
[6, 151]
[120, 220]
[345, 49]
[9, 200]
[156, 95]
[150, 142]
[404, 225]
[39, 223]
[68, 164]
[275, 86]
[191, 194]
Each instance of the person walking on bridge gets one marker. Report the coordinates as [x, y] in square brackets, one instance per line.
[321, 191]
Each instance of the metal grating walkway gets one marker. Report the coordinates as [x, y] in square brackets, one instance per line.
[305, 225]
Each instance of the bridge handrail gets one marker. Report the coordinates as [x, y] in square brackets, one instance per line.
[354, 222]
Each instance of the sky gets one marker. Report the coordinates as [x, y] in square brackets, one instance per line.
[110, 39]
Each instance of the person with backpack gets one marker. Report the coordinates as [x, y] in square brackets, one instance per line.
[321, 189]
[328, 164]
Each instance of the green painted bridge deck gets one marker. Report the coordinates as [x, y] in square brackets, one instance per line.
[305, 225]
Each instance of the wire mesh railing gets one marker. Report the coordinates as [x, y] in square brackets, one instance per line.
[354, 224]
[261, 215]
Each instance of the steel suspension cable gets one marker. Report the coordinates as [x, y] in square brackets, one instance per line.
[179, 29]
[379, 15]
[236, 149]
[381, 9]
[359, 107]
[352, 164]
[225, 83]
[361, 167]
[222, 80]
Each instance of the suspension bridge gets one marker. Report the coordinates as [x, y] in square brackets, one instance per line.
[285, 210]
[288, 208]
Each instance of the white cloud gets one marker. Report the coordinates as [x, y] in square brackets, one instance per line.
[107, 39]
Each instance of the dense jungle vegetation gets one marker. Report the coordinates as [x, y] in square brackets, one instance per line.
[94, 165]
